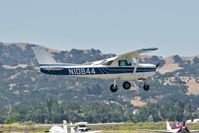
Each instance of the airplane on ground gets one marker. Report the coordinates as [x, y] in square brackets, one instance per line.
[80, 127]
[121, 67]
[59, 129]
[178, 127]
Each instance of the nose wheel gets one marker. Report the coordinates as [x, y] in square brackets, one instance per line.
[145, 86]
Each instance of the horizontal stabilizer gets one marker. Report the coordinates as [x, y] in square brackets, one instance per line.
[43, 57]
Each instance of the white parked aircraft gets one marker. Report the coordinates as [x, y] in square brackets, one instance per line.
[178, 127]
[80, 127]
[122, 67]
[59, 129]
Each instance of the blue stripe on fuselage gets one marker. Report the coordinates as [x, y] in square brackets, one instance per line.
[95, 70]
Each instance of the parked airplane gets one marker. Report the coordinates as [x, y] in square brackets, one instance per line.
[80, 127]
[122, 67]
[178, 127]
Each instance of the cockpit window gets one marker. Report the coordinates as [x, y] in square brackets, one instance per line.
[107, 62]
[124, 63]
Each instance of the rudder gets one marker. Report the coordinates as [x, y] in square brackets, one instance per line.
[168, 125]
[43, 57]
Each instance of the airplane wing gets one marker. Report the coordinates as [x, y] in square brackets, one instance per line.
[161, 131]
[97, 131]
[44, 57]
[129, 55]
[158, 131]
[136, 53]
[194, 130]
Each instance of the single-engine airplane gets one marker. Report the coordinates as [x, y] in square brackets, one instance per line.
[121, 67]
[80, 127]
[178, 127]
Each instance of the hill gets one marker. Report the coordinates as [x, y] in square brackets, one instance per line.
[27, 94]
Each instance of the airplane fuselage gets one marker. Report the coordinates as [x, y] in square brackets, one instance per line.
[101, 71]
[121, 67]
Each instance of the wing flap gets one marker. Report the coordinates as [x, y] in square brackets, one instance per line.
[158, 131]
[194, 130]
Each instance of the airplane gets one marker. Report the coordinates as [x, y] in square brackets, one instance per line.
[178, 127]
[121, 67]
[59, 129]
[80, 127]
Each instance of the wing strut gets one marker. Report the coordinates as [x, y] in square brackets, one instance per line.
[136, 60]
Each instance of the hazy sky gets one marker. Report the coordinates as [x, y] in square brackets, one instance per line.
[113, 26]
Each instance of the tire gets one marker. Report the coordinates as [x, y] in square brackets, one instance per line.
[126, 85]
[113, 89]
[146, 87]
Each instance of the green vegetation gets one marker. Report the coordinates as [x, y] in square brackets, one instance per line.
[28, 95]
[52, 111]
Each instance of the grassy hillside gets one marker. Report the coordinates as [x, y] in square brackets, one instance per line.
[28, 95]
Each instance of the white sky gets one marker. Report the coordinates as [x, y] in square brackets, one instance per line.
[113, 26]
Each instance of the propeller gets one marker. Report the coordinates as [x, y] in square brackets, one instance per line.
[157, 65]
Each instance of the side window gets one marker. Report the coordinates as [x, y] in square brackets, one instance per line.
[121, 63]
[129, 62]
[124, 63]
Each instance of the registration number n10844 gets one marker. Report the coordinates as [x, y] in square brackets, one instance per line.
[81, 71]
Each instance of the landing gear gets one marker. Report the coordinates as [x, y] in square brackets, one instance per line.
[146, 87]
[114, 87]
[126, 85]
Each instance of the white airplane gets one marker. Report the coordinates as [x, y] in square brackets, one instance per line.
[80, 127]
[178, 127]
[122, 67]
[59, 129]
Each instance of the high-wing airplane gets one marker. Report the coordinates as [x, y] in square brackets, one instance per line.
[178, 127]
[80, 127]
[121, 67]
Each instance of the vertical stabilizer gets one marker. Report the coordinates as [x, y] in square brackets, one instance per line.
[71, 128]
[65, 126]
[43, 57]
[168, 126]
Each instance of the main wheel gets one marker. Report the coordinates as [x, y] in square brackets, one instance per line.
[113, 88]
[126, 85]
[146, 87]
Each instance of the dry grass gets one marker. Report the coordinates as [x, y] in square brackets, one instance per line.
[170, 66]
[193, 86]
[136, 101]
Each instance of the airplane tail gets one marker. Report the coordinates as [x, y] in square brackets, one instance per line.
[71, 128]
[43, 57]
[168, 125]
[65, 126]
